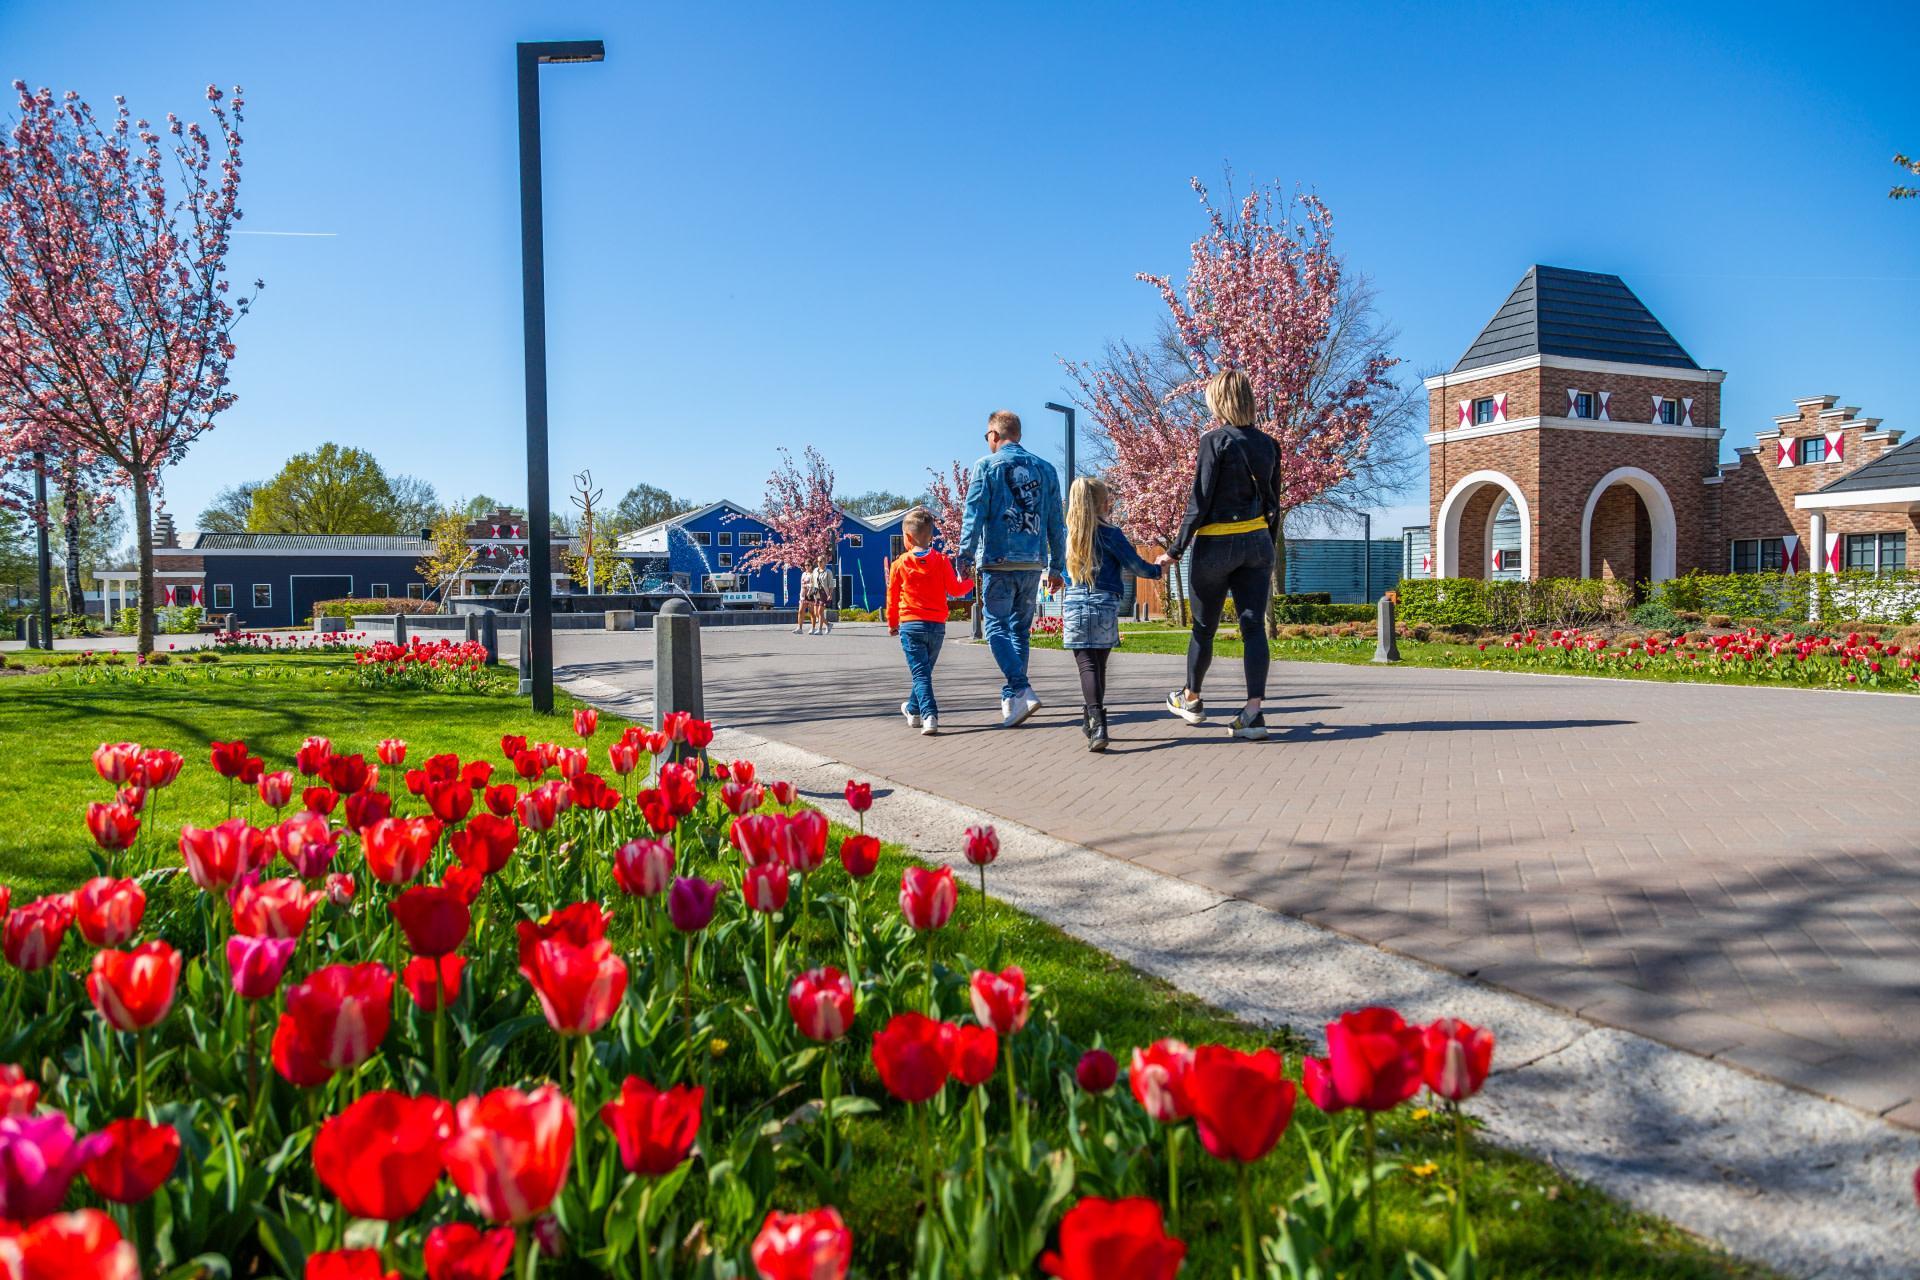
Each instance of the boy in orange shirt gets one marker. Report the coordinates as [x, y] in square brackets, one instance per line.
[918, 585]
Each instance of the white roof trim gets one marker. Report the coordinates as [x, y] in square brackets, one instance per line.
[329, 552]
[1906, 497]
[1574, 424]
[1621, 368]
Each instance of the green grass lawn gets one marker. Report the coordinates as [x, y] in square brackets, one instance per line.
[1532, 1222]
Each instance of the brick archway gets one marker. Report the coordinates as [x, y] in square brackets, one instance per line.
[1653, 495]
[1447, 526]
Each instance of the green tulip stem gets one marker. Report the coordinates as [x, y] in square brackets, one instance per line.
[1463, 1235]
[646, 1239]
[1016, 1115]
[1173, 1179]
[983, 893]
[1246, 1222]
[686, 1004]
[439, 1031]
[1373, 1201]
[979, 1152]
[928, 1010]
[579, 1109]
[828, 1087]
[769, 933]
[524, 1258]
[140, 1074]
[924, 1141]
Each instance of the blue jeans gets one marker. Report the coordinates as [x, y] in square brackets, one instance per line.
[1008, 598]
[921, 643]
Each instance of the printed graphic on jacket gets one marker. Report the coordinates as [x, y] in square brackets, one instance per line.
[1023, 499]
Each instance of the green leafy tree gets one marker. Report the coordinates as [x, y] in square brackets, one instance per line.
[230, 508]
[876, 502]
[331, 490]
[88, 541]
[415, 505]
[17, 569]
[644, 504]
[479, 505]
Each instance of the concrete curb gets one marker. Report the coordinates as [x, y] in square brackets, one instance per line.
[1809, 1187]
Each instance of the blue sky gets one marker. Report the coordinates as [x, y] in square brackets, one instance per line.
[864, 226]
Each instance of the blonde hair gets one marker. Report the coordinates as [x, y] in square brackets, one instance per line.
[917, 525]
[1230, 398]
[1006, 422]
[1085, 505]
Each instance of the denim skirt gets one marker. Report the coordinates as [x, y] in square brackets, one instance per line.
[1089, 618]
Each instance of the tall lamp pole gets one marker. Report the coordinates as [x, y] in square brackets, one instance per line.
[539, 650]
[45, 552]
[1068, 410]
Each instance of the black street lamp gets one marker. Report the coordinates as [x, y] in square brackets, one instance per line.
[528, 58]
[1068, 410]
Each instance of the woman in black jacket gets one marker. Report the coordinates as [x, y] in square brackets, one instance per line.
[1232, 516]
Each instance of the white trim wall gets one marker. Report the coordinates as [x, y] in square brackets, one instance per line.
[1621, 368]
[1905, 498]
[1551, 423]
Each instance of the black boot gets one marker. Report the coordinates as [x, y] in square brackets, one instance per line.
[1097, 729]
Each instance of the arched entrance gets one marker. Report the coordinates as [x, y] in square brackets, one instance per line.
[1628, 531]
[1464, 528]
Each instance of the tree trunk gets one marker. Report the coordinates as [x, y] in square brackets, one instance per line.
[70, 529]
[143, 536]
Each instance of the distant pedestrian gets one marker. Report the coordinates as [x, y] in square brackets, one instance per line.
[919, 584]
[816, 591]
[1233, 517]
[1097, 552]
[1014, 530]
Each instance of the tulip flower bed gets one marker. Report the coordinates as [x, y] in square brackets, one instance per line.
[516, 995]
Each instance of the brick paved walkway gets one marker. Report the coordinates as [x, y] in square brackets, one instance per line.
[1732, 871]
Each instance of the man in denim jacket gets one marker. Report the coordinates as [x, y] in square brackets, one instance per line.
[1014, 528]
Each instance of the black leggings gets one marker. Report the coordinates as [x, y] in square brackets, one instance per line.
[1240, 563]
[1093, 675]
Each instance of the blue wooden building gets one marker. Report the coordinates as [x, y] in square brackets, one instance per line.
[274, 579]
[702, 550]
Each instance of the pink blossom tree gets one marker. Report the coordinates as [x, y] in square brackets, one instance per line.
[801, 515]
[947, 494]
[116, 314]
[1265, 293]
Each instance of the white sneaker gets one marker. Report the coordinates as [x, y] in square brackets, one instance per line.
[1006, 712]
[1019, 708]
[913, 721]
[930, 726]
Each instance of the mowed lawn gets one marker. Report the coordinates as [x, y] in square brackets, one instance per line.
[1532, 1222]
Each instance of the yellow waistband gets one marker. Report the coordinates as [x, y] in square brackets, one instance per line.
[1230, 526]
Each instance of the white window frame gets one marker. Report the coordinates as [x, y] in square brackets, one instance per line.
[223, 595]
[1804, 446]
[416, 591]
[855, 541]
[724, 559]
[751, 539]
[379, 590]
[1475, 414]
[1592, 406]
[725, 539]
[701, 538]
[1668, 412]
[267, 587]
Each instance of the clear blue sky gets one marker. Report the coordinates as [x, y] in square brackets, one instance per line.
[864, 226]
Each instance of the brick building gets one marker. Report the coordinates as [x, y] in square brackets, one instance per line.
[1577, 438]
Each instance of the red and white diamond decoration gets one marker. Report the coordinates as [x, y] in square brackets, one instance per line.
[1500, 407]
[1833, 553]
[199, 595]
[1790, 553]
[1836, 445]
[1657, 400]
[1606, 398]
[1466, 412]
[1686, 413]
[1786, 452]
[1426, 565]
[166, 594]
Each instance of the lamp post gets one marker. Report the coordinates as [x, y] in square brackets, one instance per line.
[1068, 410]
[528, 59]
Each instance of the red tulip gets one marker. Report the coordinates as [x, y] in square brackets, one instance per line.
[307, 843]
[573, 762]
[229, 759]
[742, 772]
[272, 908]
[134, 989]
[1375, 1058]
[578, 924]
[18, 1095]
[586, 721]
[972, 1054]
[510, 1150]
[464, 883]
[765, 887]
[590, 791]
[364, 808]
[340, 890]
[1114, 1240]
[579, 987]
[1456, 1058]
[654, 807]
[113, 825]
[643, 868]
[251, 770]
[159, 767]
[1316, 1078]
[757, 836]
[312, 756]
[927, 896]
[82, 1245]
[690, 903]
[1159, 1080]
[348, 774]
[512, 744]
[806, 843]
[461, 1251]
[342, 1011]
[529, 765]
[982, 845]
[741, 797]
[134, 797]
[859, 796]
[433, 981]
[276, 789]
[680, 784]
[654, 1127]
[116, 762]
[347, 1264]
[477, 774]
[108, 911]
[860, 855]
[1096, 1071]
[393, 752]
[434, 918]
[502, 799]
[485, 843]
[320, 800]
[782, 792]
[450, 801]
[33, 933]
[1242, 1102]
[541, 807]
[257, 964]
[297, 1061]
[1000, 999]
[623, 757]
[130, 1159]
[911, 1056]
[821, 1002]
[381, 1156]
[815, 1245]
[218, 856]
[397, 849]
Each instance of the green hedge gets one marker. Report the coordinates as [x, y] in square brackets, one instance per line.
[1512, 606]
[377, 604]
[1325, 614]
[1774, 597]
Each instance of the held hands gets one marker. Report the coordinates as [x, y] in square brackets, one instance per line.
[1055, 582]
[1162, 560]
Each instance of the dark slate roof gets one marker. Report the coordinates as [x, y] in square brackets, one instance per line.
[1895, 469]
[1586, 314]
[308, 542]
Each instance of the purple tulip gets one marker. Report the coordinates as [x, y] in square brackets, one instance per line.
[39, 1157]
[690, 903]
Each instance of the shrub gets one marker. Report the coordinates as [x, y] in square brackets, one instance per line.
[1512, 606]
[1657, 616]
[354, 608]
[861, 615]
[1719, 620]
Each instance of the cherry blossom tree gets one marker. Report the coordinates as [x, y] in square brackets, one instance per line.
[947, 497]
[116, 314]
[802, 518]
[1265, 293]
